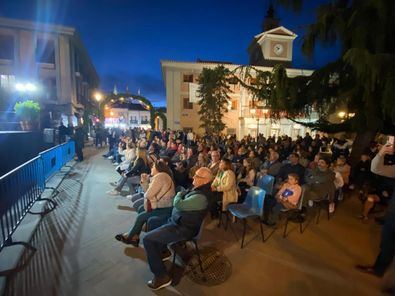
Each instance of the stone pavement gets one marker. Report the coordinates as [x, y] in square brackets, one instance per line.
[78, 255]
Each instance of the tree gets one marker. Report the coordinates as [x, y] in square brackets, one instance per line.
[362, 79]
[213, 92]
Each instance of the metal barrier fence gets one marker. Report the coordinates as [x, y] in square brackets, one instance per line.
[23, 186]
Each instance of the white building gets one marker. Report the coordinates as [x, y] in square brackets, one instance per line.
[270, 47]
[125, 115]
[53, 59]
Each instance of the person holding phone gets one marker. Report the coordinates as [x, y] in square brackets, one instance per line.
[287, 197]
[387, 244]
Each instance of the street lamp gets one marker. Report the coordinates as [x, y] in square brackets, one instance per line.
[98, 97]
[254, 115]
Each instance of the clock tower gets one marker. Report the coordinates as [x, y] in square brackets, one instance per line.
[274, 45]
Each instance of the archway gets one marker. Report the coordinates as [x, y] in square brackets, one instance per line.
[112, 98]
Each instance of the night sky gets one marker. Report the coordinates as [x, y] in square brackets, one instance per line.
[126, 39]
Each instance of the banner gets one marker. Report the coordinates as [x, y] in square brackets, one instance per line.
[193, 92]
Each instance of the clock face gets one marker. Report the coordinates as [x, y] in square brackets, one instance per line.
[278, 48]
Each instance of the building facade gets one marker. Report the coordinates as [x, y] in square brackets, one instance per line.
[127, 115]
[270, 47]
[52, 61]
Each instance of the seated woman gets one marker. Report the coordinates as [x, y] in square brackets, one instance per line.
[224, 185]
[202, 161]
[246, 178]
[130, 155]
[287, 197]
[158, 202]
[132, 175]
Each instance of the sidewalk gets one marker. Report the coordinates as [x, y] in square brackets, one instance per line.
[78, 255]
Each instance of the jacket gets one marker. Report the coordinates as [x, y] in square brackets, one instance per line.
[226, 182]
[160, 191]
[189, 209]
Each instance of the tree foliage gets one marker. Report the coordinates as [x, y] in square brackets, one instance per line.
[213, 92]
[362, 79]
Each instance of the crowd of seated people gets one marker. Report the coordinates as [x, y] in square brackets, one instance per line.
[165, 170]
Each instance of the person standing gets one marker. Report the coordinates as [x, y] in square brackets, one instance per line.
[387, 245]
[79, 142]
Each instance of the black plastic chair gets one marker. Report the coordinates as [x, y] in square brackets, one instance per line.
[295, 215]
[194, 240]
[322, 204]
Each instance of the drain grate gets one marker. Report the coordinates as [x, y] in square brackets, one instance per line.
[216, 268]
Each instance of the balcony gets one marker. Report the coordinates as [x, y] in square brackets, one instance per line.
[144, 121]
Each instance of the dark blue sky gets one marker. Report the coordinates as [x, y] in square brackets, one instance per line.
[127, 39]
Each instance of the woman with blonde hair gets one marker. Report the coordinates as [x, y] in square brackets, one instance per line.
[225, 184]
[132, 175]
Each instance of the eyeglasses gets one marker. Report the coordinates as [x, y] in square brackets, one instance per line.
[197, 176]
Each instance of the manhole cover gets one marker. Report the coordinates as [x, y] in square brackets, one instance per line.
[216, 268]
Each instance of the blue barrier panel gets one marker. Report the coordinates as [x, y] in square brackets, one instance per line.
[68, 151]
[19, 189]
[52, 160]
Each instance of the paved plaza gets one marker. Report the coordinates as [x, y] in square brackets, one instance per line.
[78, 255]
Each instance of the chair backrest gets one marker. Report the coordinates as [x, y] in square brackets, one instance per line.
[300, 202]
[255, 199]
[266, 183]
[199, 235]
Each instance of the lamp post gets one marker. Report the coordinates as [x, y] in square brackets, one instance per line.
[254, 115]
[98, 97]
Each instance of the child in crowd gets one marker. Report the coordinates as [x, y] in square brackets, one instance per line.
[287, 197]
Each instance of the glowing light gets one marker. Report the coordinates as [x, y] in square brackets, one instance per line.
[341, 114]
[351, 115]
[253, 111]
[122, 99]
[20, 87]
[112, 113]
[30, 87]
[98, 96]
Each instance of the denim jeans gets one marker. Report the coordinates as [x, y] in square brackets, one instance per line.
[132, 181]
[156, 241]
[163, 213]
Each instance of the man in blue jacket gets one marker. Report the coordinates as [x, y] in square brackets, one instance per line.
[190, 208]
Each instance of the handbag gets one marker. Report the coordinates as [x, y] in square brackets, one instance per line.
[148, 204]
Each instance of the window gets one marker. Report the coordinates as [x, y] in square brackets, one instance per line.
[45, 51]
[6, 47]
[144, 119]
[187, 104]
[133, 119]
[7, 81]
[234, 105]
[188, 78]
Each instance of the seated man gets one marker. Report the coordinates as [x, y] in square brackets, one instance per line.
[190, 208]
[321, 184]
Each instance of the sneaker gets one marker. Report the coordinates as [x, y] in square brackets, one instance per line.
[116, 163]
[159, 283]
[110, 157]
[331, 207]
[129, 196]
[166, 255]
[113, 192]
[115, 184]
[310, 203]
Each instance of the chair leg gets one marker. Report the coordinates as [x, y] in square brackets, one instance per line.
[285, 228]
[244, 232]
[300, 224]
[199, 258]
[260, 226]
[227, 221]
[319, 213]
